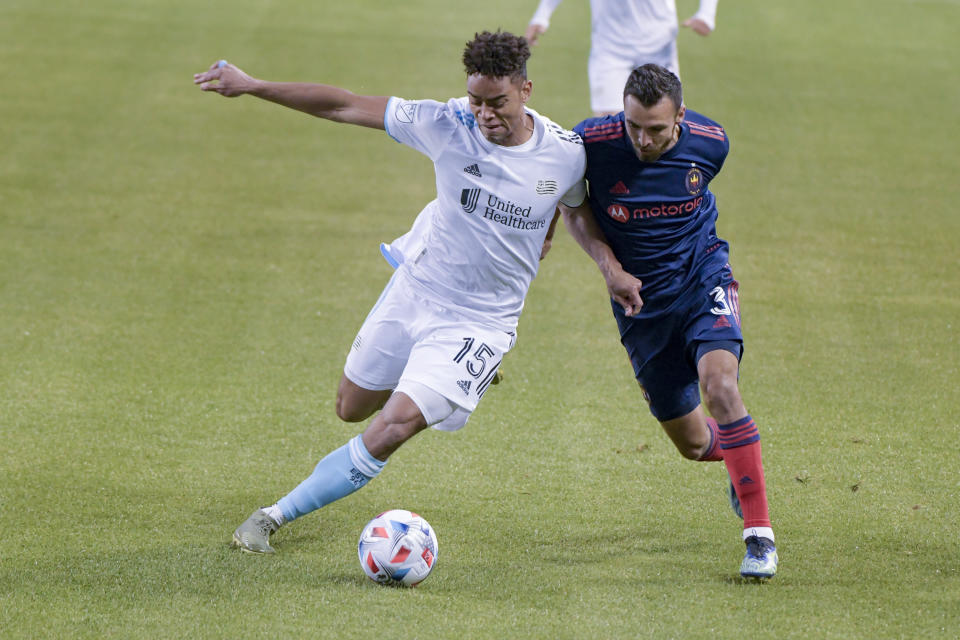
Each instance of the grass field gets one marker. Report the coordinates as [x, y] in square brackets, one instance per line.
[181, 277]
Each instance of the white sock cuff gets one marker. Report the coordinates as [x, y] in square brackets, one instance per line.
[361, 458]
[276, 513]
[760, 532]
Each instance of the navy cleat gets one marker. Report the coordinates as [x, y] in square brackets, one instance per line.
[734, 500]
[760, 560]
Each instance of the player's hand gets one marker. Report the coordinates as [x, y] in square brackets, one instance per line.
[625, 290]
[533, 33]
[698, 25]
[225, 79]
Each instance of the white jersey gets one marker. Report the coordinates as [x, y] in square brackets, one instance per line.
[493, 209]
[633, 29]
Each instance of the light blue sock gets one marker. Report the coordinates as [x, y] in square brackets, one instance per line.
[339, 474]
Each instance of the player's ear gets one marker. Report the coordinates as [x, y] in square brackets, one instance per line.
[525, 89]
[682, 111]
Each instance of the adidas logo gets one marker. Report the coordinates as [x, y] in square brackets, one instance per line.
[473, 170]
[464, 386]
[721, 322]
[619, 188]
[746, 480]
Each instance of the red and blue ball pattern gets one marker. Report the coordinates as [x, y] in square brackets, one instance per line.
[398, 547]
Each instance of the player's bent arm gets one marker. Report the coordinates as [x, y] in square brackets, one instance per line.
[622, 286]
[548, 240]
[581, 225]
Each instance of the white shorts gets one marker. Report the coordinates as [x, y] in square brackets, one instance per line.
[608, 75]
[407, 338]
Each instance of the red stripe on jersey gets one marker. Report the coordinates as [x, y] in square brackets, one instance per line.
[707, 135]
[709, 132]
[601, 127]
[733, 296]
[706, 127]
[605, 132]
[609, 136]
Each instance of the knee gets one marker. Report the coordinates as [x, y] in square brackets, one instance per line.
[694, 448]
[384, 436]
[721, 395]
[349, 411]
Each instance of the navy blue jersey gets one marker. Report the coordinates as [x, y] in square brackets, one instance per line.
[658, 217]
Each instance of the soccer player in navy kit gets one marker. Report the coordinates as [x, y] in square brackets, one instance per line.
[650, 225]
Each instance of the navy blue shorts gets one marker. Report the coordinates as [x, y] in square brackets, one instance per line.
[665, 347]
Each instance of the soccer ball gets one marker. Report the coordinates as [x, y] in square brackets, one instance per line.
[398, 547]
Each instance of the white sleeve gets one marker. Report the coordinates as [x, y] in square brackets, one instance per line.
[425, 125]
[708, 13]
[576, 194]
[545, 10]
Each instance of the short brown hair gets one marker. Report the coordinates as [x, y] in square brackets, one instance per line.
[497, 55]
[651, 82]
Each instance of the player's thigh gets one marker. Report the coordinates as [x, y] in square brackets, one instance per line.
[354, 403]
[713, 312]
[608, 75]
[667, 378]
[666, 56]
[382, 346]
[458, 362]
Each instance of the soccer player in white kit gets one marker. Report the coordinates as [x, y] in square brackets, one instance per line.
[625, 34]
[431, 346]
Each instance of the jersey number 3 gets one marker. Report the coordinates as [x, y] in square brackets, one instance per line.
[720, 299]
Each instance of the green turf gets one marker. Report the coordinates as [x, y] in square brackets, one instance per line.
[181, 276]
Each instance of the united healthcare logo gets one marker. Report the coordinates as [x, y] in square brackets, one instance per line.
[500, 211]
[468, 199]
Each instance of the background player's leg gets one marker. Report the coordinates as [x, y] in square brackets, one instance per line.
[607, 77]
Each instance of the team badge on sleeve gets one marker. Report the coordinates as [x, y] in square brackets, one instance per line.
[406, 112]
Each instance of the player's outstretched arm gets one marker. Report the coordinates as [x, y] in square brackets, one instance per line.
[323, 101]
[623, 287]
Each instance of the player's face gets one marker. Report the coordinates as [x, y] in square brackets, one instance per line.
[652, 130]
[497, 105]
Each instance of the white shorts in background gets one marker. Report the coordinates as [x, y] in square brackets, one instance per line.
[408, 338]
[608, 75]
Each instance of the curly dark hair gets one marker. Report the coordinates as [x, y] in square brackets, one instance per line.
[497, 55]
[651, 82]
